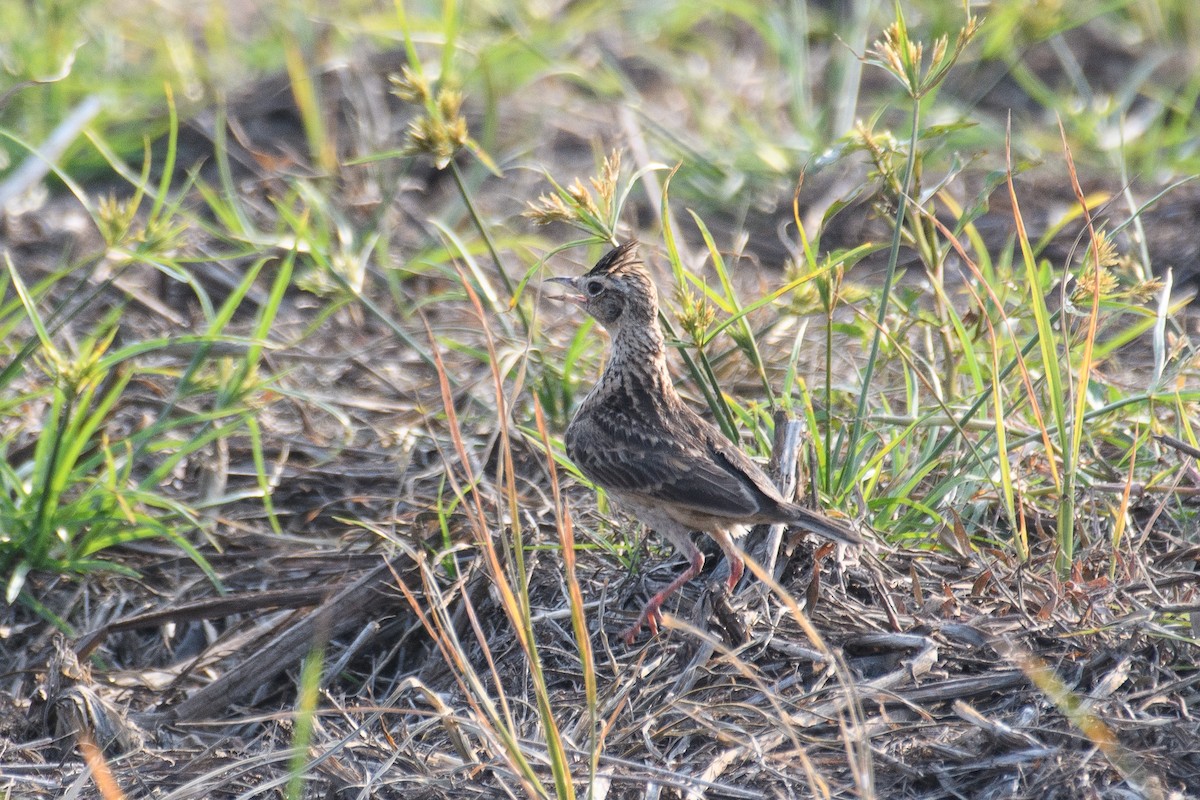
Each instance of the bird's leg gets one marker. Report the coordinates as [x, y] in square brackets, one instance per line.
[651, 613]
[736, 565]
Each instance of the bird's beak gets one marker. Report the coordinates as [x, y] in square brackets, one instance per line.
[575, 296]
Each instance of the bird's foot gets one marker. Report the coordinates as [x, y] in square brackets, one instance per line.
[651, 614]
[650, 617]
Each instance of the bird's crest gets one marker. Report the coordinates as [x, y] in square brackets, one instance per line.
[621, 260]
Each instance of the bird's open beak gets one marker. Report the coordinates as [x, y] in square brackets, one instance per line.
[575, 296]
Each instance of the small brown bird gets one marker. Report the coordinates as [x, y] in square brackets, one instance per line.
[634, 437]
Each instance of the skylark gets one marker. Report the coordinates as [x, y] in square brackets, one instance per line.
[634, 437]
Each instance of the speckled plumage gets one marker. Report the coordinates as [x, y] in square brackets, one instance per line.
[636, 438]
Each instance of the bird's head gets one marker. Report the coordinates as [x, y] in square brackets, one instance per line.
[618, 291]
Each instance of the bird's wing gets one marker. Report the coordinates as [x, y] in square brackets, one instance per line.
[699, 474]
[731, 458]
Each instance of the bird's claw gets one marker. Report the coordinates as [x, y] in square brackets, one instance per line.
[650, 617]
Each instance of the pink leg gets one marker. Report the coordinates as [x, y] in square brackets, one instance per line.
[736, 568]
[650, 612]
[736, 565]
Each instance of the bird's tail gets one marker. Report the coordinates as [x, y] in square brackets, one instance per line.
[822, 525]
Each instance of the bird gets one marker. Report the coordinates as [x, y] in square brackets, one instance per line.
[635, 437]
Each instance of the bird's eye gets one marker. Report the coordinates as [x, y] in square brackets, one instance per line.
[594, 287]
